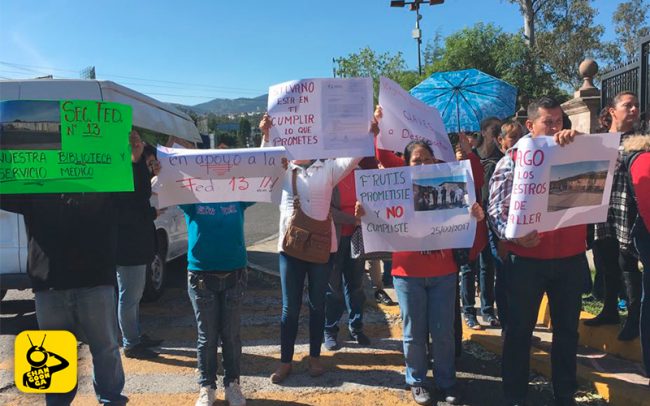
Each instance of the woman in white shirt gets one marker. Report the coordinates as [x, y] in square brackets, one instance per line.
[314, 183]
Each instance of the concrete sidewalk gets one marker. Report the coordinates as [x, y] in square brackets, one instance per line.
[609, 366]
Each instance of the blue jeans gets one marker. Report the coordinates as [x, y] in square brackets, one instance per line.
[345, 289]
[292, 276]
[427, 307]
[216, 298]
[526, 281]
[88, 312]
[468, 273]
[130, 284]
[642, 243]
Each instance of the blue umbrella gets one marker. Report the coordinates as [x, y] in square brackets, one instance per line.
[466, 97]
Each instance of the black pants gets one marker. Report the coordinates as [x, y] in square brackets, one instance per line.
[526, 282]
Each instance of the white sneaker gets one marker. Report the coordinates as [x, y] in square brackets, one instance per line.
[234, 396]
[207, 396]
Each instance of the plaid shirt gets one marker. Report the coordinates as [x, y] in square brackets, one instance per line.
[619, 221]
[500, 192]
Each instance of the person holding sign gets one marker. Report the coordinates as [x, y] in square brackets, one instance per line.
[72, 253]
[612, 239]
[306, 194]
[135, 249]
[216, 281]
[425, 278]
[550, 262]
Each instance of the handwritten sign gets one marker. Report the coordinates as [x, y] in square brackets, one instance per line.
[211, 176]
[555, 187]
[417, 208]
[322, 118]
[407, 119]
[64, 146]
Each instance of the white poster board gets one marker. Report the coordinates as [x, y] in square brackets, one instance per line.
[219, 175]
[407, 119]
[322, 118]
[555, 187]
[417, 208]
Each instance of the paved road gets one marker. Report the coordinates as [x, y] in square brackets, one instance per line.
[262, 221]
[356, 376]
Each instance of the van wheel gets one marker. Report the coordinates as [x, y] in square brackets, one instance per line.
[154, 284]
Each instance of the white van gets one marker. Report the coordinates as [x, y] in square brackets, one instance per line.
[154, 120]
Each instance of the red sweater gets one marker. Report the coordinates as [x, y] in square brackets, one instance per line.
[416, 264]
[640, 171]
[561, 243]
[348, 198]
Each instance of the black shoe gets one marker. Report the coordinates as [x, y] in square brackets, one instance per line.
[382, 297]
[139, 352]
[421, 395]
[450, 395]
[602, 320]
[330, 342]
[147, 341]
[491, 320]
[360, 338]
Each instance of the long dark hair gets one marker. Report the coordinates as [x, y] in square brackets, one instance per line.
[408, 150]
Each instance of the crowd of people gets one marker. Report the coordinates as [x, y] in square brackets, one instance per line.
[83, 245]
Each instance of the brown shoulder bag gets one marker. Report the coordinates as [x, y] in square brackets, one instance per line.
[306, 238]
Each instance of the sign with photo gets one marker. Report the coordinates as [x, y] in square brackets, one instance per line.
[64, 146]
[417, 208]
[555, 187]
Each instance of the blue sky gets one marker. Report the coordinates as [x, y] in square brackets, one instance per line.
[190, 52]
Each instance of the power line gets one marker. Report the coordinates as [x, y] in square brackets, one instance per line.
[203, 85]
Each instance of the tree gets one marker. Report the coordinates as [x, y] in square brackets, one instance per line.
[630, 24]
[368, 63]
[244, 132]
[567, 35]
[488, 48]
[529, 10]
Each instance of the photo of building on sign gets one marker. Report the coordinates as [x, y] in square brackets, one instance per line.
[30, 125]
[577, 184]
[448, 192]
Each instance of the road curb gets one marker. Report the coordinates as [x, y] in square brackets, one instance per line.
[615, 391]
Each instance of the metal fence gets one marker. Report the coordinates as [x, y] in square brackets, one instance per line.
[632, 77]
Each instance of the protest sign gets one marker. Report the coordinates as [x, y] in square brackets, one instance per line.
[322, 118]
[555, 187]
[417, 208]
[219, 175]
[407, 119]
[64, 146]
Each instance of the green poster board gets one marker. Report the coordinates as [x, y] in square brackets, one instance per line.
[64, 146]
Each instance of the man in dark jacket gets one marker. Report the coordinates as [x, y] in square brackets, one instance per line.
[135, 249]
[71, 262]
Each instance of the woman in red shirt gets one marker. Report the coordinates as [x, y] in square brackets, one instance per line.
[425, 283]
